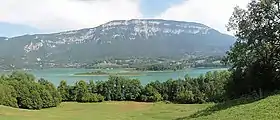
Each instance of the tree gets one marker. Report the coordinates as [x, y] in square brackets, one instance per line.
[116, 88]
[20, 75]
[184, 97]
[47, 99]
[132, 89]
[72, 90]
[54, 94]
[166, 91]
[91, 87]
[8, 96]
[213, 85]
[150, 94]
[255, 56]
[83, 95]
[63, 90]
[29, 95]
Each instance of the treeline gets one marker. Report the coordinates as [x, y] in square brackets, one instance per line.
[181, 65]
[206, 88]
[161, 67]
[20, 90]
[209, 65]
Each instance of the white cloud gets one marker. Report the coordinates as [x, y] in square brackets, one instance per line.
[214, 13]
[56, 15]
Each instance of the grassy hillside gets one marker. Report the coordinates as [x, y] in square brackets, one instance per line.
[266, 109]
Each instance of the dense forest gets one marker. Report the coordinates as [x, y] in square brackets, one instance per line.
[254, 61]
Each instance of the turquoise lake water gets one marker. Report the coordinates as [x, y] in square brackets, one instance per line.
[57, 74]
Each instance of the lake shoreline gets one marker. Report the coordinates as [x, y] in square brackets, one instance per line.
[55, 75]
[105, 75]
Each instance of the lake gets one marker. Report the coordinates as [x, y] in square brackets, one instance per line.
[55, 75]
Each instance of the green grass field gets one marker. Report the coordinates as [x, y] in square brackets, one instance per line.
[103, 111]
[266, 109]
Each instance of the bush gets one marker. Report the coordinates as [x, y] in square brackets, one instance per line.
[144, 98]
[155, 98]
[8, 96]
[63, 90]
[21, 90]
[91, 97]
[100, 98]
[54, 96]
[150, 94]
[185, 97]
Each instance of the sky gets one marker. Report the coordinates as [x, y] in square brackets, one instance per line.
[36, 16]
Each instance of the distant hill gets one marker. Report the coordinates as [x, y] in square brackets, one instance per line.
[120, 38]
[10, 30]
[3, 38]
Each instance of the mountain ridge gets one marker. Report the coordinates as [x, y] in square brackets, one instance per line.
[118, 38]
[12, 30]
[66, 31]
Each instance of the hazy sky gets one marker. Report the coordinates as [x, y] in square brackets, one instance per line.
[57, 15]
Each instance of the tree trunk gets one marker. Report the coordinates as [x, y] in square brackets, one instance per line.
[260, 93]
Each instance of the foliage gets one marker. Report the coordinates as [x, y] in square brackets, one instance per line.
[161, 67]
[63, 90]
[206, 88]
[150, 94]
[55, 96]
[255, 56]
[29, 94]
[8, 96]
[20, 89]
[184, 97]
[119, 88]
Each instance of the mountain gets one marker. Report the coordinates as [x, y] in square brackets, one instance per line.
[119, 38]
[9, 29]
[3, 38]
